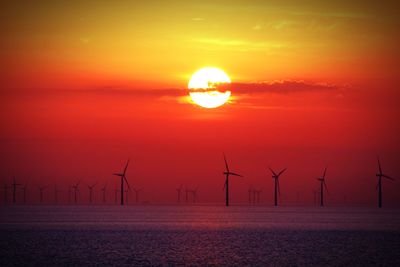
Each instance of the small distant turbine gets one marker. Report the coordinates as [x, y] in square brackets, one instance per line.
[137, 191]
[226, 184]
[41, 190]
[56, 191]
[379, 185]
[277, 189]
[322, 186]
[103, 190]
[76, 191]
[123, 180]
[91, 192]
[178, 191]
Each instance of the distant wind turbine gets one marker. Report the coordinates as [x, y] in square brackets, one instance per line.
[103, 190]
[178, 191]
[76, 191]
[322, 186]
[14, 187]
[91, 192]
[379, 185]
[250, 191]
[41, 190]
[226, 184]
[56, 191]
[277, 189]
[194, 193]
[123, 180]
[137, 191]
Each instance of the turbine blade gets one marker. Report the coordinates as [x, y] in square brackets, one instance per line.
[235, 174]
[379, 164]
[282, 171]
[323, 177]
[226, 163]
[126, 167]
[118, 174]
[126, 180]
[272, 171]
[326, 188]
[390, 178]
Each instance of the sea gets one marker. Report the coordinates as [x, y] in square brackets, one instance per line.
[198, 235]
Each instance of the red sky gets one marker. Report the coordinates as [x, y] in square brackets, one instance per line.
[83, 88]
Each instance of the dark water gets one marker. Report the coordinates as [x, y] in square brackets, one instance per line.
[198, 235]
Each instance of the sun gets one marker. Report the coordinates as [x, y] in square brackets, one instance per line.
[206, 87]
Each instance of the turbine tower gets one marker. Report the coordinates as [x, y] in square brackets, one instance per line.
[14, 187]
[137, 191]
[322, 186]
[379, 185]
[103, 190]
[178, 191]
[76, 191]
[41, 190]
[226, 184]
[123, 179]
[91, 192]
[277, 190]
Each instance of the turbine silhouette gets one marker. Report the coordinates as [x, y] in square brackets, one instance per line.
[322, 186]
[379, 185]
[277, 189]
[123, 180]
[227, 172]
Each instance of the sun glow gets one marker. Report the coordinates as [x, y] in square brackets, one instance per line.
[204, 87]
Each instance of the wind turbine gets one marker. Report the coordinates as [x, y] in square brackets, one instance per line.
[76, 190]
[250, 191]
[194, 192]
[277, 190]
[91, 192]
[56, 191]
[123, 179]
[103, 190]
[14, 187]
[137, 191]
[178, 191]
[322, 186]
[379, 185]
[41, 190]
[226, 184]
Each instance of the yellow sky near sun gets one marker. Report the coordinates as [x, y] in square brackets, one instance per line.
[161, 43]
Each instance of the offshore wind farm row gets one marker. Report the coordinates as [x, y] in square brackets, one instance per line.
[184, 194]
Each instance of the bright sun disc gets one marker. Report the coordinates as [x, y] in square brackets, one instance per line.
[203, 87]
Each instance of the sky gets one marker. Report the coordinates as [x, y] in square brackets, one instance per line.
[84, 86]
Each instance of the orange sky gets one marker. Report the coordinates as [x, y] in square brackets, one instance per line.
[85, 86]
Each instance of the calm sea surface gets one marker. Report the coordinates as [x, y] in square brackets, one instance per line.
[198, 236]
